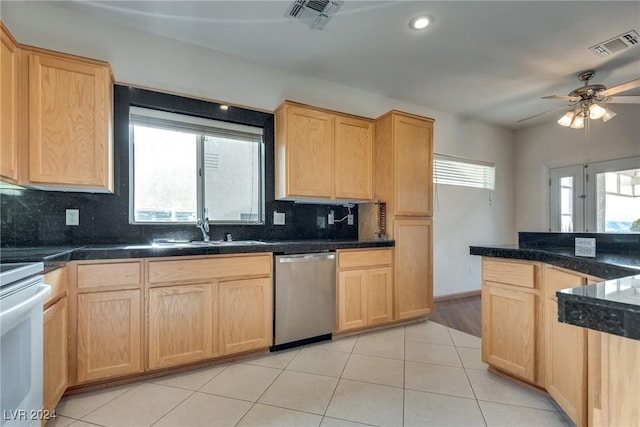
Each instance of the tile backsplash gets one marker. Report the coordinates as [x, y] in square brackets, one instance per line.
[37, 218]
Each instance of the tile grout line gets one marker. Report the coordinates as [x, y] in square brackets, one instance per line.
[100, 406]
[170, 410]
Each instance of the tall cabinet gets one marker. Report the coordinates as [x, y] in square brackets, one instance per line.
[403, 165]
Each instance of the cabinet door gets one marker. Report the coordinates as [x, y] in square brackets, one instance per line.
[565, 364]
[379, 295]
[109, 334]
[508, 330]
[70, 121]
[55, 353]
[413, 166]
[309, 152]
[413, 267]
[353, 158]
[245, 315]
[180, 324]
[9, 105]
[352, 299]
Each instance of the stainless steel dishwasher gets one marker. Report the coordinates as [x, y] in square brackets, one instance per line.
[305, 298]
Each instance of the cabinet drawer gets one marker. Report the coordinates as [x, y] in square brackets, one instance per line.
[57, 279]
[208, 268]
[369, 258]
[109, 274]
[512, 273]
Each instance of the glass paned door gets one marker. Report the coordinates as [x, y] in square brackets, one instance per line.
[566, 199]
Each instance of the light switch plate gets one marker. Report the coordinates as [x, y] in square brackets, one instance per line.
[585, 247]
[350, 219]
[73, 217]
[278, 218]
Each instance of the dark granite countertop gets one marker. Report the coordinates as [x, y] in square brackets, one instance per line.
[609, 265]
[54, 257]
[611, 306]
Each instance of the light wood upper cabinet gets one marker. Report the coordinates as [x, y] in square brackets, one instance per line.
[321, 154]
[181, 320]
[403, 161]
[69, 123]
[245, 315]
[109, 334]
[413, 267]
[353, 158]
[365, 288]
[9, 53]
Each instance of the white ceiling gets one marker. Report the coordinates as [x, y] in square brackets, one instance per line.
[491, 61]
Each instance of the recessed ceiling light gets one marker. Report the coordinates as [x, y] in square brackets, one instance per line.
[224, 107]
[421, 22]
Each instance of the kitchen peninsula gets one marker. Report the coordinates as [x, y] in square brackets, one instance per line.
[535, 292]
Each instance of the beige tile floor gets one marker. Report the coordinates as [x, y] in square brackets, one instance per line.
[423, 374]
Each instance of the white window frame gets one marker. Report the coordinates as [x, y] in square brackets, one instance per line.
[173, 121]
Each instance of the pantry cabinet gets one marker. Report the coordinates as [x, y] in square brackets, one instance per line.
[510, 304]
[9, 53]
[320, 154]
[68, 125]
[365, 288]
[413, 267]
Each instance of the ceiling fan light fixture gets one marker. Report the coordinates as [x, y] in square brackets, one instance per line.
[566, 119]
[577, 122]
[421, 22]
[596, 111]
[608, 115]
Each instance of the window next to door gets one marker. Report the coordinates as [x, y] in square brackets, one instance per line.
[601, 197]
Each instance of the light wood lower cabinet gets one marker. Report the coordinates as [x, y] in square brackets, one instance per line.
[508, 330]
[565, 348]
[245, 321]
[181, 321]
[413, 267]
[55, 353]
[109, 334]
[365, 288]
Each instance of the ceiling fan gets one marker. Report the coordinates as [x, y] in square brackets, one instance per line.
[584, 102]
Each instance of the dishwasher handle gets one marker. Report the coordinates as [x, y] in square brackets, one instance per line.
[305, 257]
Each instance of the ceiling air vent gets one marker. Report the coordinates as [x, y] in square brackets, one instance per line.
[314, 13]
[616, 44]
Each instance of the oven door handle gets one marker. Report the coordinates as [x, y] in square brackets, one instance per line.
[8, 316]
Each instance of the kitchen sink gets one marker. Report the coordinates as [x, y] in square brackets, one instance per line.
[201, 243]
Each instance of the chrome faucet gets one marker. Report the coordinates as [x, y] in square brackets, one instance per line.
[203, 225]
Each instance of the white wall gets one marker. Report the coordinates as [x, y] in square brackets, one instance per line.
[142, 59]
[550, 145]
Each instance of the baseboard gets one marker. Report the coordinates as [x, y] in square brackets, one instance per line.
[459, 295]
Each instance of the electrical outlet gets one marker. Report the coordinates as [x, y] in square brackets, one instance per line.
[278, 218]
[73, 217]
[330, 218]
[585, 247]
[350, 219]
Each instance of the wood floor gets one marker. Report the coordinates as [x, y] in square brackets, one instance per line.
[462, 314]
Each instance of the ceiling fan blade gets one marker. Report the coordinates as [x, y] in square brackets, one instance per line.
[567, 98]
[624, 100]
[622, 88]
[542, 114]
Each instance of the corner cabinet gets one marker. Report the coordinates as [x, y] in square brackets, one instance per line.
[68, 122]
[9, 54]
[321, 154]
[365, 288]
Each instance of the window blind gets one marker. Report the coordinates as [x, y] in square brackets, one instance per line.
[451, 170]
